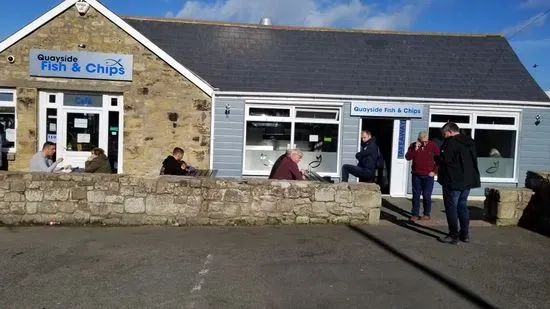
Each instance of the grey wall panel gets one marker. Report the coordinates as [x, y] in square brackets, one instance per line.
[228, 137]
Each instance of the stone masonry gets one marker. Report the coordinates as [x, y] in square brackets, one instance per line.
[505, 206]
[78, 198]
[156, 91]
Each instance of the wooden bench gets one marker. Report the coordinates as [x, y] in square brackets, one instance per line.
[312, 176]
[203, 173]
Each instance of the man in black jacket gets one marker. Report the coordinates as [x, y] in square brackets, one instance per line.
[367, 159]
[458, 173]
[173, 165]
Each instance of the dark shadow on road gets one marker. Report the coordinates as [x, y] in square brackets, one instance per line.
[446, 281]
[405, 223]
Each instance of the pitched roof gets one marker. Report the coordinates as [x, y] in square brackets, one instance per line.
[255, 58]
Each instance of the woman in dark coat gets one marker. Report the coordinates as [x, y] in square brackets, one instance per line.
[98, 162]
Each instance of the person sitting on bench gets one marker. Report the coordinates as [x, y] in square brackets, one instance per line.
[288, 166]
[367, 160]
[174, 165]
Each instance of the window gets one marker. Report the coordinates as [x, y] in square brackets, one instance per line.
[495, 136]
[270, 131]
[7, 120]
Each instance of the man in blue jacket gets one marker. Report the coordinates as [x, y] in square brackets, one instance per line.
[367, 158]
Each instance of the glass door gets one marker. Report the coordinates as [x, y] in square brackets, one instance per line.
[81, 132]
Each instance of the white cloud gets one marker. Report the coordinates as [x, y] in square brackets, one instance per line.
[535, 21]
[316, 13]
[531, 4]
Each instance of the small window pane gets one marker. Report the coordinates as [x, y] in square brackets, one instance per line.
[317, 114]
[7, 127]
[6, 96]
[450, 118]
[271, 112]
[496, 120]
[114, 102]
[83, 100]
[265, 142]
[496, 151]
[51, 98]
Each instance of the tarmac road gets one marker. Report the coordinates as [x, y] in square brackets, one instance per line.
[270, 267]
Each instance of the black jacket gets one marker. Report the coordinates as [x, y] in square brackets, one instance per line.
[368, 156]
[457, 164]
[172, 166]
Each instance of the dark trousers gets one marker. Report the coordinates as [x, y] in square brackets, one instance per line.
[357, 172]
[456, 209]
[422, 185]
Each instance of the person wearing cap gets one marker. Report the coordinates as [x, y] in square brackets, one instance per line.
[422, 153]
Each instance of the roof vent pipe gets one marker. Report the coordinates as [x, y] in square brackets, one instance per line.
[265, 21]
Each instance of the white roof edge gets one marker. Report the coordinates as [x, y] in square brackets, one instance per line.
[548, 93]
[284, 96]
[62, 7]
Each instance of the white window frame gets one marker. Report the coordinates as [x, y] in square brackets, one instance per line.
[474, 114]
[292, 119]
[13, 104]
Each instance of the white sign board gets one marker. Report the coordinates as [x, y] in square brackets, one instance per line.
[387, 110]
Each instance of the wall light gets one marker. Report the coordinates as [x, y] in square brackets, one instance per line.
[538, 120]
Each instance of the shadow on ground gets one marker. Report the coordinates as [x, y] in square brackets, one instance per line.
[452, 285]
[386, 214]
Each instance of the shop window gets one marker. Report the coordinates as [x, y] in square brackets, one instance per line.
[7, 120]
[271, 131]
[495, 137]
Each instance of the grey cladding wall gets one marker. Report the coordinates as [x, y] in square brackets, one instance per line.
[350, 137]
[228, 137]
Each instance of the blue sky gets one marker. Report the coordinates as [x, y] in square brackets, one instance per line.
[478, 16]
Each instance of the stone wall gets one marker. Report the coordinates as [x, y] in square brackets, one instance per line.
[80, 198]
[505, 206]
[156, 90]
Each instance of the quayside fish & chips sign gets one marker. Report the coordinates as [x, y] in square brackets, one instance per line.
[397, 110]
[75, 64]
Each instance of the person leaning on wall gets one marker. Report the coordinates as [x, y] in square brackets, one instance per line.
[97, 162]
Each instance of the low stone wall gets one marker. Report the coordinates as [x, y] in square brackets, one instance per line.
[80, 198]
[505, 206]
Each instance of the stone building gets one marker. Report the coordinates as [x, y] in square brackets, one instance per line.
[138, 117]
[236, 96]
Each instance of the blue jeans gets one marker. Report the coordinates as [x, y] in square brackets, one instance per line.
[355, 171]
[422, 185]
[456, 209]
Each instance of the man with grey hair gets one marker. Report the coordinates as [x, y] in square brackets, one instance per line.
[422, 154]
[288, 166]
[458, 173]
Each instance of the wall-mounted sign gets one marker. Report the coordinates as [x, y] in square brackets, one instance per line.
[397, 110]
[73, 64]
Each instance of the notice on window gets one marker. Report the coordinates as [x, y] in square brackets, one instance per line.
[53, 127]
[81, 123]
[313, 138]
[327, 139]
[83, 138]
[10, 135]
[51, 138]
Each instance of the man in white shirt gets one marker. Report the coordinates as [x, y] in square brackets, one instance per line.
[42, 160]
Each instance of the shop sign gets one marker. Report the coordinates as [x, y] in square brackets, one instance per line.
[388, 110]
[73, 64]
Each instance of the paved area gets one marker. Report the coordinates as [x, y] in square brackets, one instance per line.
[397, 211]
[385, 266]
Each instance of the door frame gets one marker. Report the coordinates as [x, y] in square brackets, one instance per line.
[399, 166]
[58, 96]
